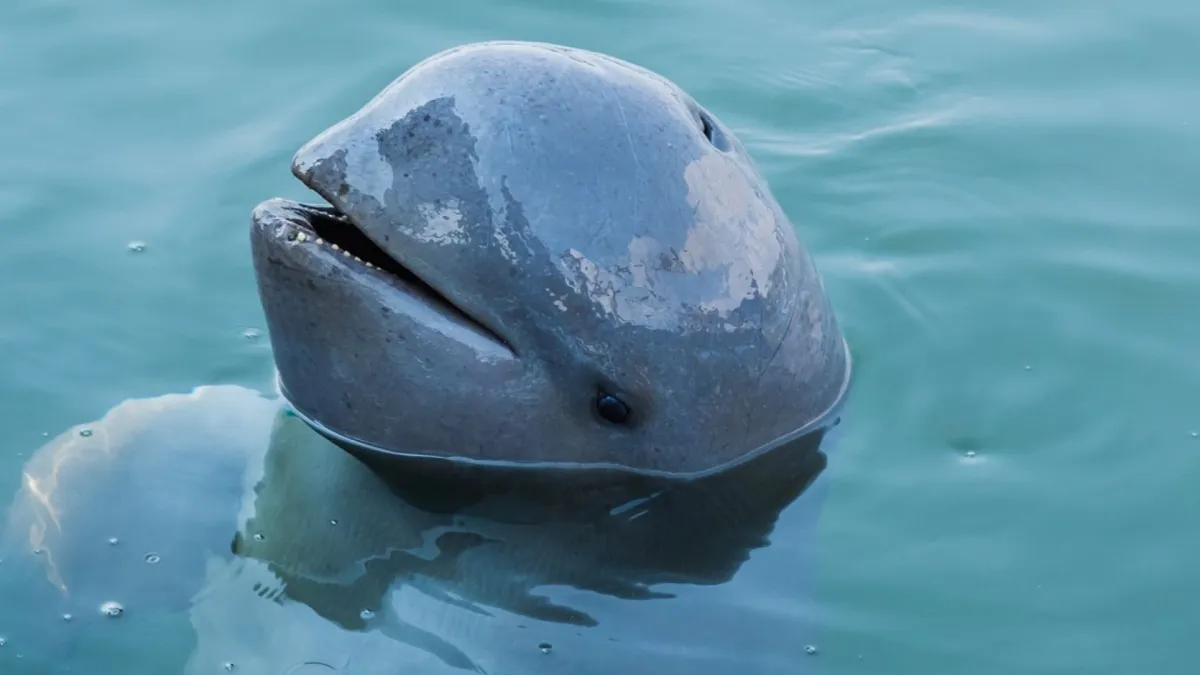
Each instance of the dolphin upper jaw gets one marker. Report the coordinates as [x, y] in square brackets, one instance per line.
[315, 165]
[309, 237]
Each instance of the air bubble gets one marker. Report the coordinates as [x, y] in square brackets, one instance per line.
[137, 246]
[67, 617]
[545, 647]
[810, 650]
[152, 558]
[112, 609]
[229, 666]
[333, 522]
[113, 541]
[3, 642]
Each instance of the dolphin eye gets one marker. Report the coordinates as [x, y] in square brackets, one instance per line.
[612, 409]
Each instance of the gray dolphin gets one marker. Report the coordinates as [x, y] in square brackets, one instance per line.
[542, 256]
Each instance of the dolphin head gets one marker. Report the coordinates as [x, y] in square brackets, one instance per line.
[539, 255]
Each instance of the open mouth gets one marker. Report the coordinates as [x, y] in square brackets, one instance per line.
[334, 228]
[326, 226]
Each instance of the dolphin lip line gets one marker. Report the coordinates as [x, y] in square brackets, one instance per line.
[396, 267]
[333, 229]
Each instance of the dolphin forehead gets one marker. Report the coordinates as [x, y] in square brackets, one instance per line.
[582, 176]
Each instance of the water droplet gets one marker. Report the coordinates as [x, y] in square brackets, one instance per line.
[66, 617]
[112, 609]
[333, 522]
[970, 453]
[3, 642]
[1196, 434]
[228, 666]
[85, 432]
[137, 246]
[251, 334]
[810, 649]
[113, 541]
[1028, 367]
[367, 615]
[152, 558]
[258, 536]
[37, 551]
[545, 647]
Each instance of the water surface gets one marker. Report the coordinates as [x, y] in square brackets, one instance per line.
[1000, 195]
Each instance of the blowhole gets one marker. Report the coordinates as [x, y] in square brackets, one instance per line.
[706, 125]
[711, 132]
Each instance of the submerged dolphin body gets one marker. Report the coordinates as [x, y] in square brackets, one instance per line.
[542, 256]
[274, 551]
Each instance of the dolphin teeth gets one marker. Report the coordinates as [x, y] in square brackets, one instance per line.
[370, 266]
[335, 247]
[346, 254]
[357, 259]
[300, 236]
[320, 240]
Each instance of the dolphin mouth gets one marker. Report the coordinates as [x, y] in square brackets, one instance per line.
[336, 237]
[331, 226]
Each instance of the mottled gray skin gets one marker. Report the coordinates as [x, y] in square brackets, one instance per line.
[601, 232]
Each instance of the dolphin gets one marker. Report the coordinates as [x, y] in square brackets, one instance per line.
[539, 256]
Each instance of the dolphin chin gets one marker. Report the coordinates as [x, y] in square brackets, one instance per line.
[544, 256]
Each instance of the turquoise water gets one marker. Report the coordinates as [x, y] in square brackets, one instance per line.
[1000, 197]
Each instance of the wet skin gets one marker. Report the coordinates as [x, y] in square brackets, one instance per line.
[542, 256]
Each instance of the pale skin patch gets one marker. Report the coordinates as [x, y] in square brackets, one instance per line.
[733, 218]
[727, 258]
[443, 224]
[558, 300]
[506, 249]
